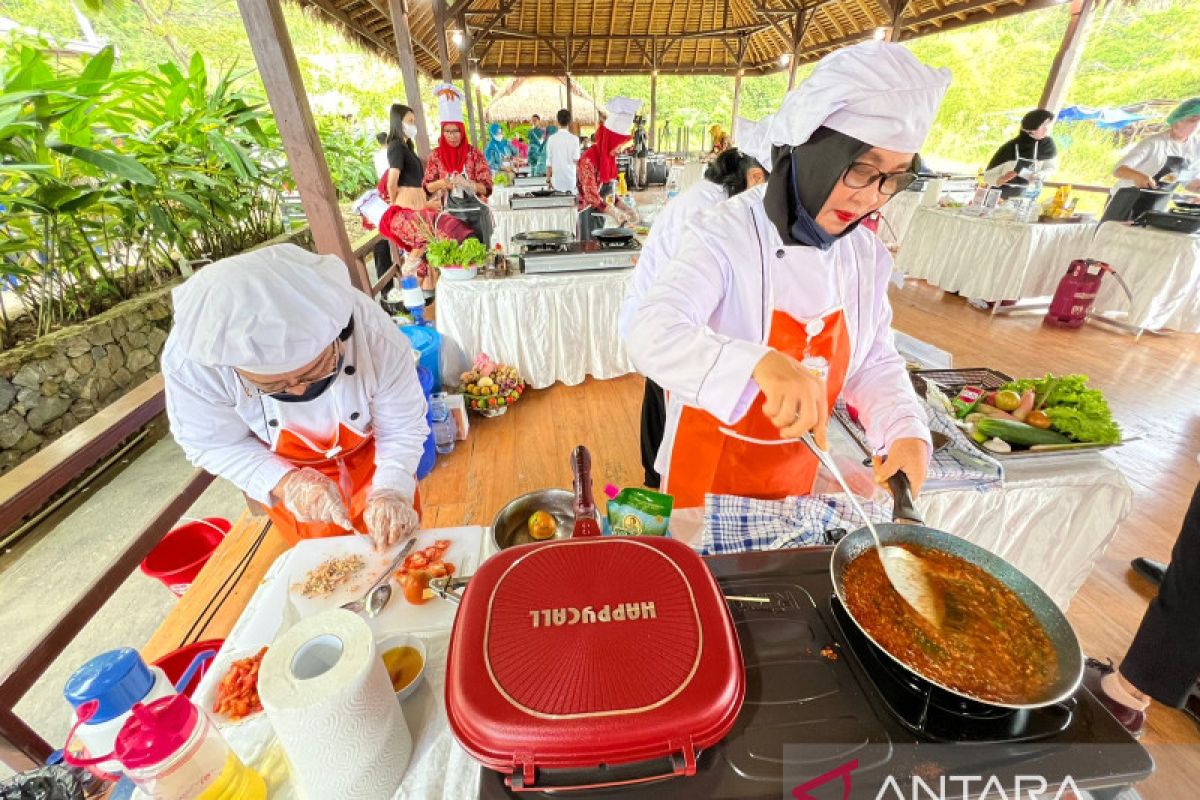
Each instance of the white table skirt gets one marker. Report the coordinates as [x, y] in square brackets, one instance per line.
[550, 327]
[500, 195]
[506, 222]
[1163, 273]
[990, 259]
[897, 215]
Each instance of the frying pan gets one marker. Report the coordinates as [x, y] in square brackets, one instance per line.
[545, 237]
[613, 235]
[908, 527]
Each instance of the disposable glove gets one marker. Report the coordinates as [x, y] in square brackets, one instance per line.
[390, 517]
[312, 497]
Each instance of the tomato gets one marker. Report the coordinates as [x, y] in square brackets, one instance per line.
[415, 585]
[442, 544]
[437, 569]
[431, 553]
[449, 568]
[416, 561]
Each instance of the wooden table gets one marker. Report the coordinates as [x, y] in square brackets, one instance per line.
[215, 600]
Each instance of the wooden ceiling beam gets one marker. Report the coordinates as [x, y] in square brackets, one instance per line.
[731, 32]
[505, 8]
[976, 5]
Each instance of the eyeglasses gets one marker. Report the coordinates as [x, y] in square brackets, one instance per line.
[859, 176]
[258, 390]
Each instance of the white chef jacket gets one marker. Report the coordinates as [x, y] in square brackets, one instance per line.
[662, 244]
[702, 329]
[1150, 155]
[562, 156]
[229, 433]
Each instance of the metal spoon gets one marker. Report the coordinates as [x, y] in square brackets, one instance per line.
[380, 592]
[903, 569]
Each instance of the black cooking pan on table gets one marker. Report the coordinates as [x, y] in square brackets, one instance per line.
[907, 526]
[613, 235]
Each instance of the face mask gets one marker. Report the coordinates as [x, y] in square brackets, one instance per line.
[312, 391]
[410, 131]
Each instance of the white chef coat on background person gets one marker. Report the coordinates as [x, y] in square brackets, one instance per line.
[702, 329]
[666, 233]
[273, 311]
[562, 156]
[1150, 155]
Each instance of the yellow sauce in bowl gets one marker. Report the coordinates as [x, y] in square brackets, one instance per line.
[403, 665]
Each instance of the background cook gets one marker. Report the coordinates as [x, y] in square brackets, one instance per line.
[298, 389]
[781, 275]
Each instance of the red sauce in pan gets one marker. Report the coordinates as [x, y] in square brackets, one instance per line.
[990, 646]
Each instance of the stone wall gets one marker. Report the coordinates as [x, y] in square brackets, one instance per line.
[49, 386]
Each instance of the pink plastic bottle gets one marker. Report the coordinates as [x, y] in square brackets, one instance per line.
[172, 751]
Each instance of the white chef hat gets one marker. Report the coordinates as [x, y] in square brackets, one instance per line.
[751, 138]
[450, 102]
[877, 92]
[270, 311]
[621, 111]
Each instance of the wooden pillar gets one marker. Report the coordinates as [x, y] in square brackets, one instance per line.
[737, 98]
[272, 47]
[464, 60]
[792, 72]
[1066, 60]
[653, 105]
[439, 31]
[570, 103]
[408, 68]
[483, 119]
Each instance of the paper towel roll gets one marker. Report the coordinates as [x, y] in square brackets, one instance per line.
[330, 700]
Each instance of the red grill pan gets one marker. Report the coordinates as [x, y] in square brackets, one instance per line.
[592, 661]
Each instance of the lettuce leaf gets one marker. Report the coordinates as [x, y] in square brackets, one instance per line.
[1074, 409]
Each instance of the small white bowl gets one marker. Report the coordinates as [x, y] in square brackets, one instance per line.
[406, 640]
[459, 273]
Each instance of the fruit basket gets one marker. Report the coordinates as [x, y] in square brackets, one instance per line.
[490, 388]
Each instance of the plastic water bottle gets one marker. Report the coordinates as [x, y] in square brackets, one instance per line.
[413, 298]
[1030, 210]
[444, 429]
[672, 187]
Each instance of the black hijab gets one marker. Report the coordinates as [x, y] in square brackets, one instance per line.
[1024, 147]
[801, 181]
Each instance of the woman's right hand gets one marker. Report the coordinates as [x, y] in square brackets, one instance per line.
[312, 497]
[1006, 177]
[795, 398]
[1144, 181]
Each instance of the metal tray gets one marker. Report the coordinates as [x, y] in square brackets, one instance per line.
[952, 381]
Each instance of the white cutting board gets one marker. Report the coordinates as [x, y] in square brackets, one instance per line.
[399, 615]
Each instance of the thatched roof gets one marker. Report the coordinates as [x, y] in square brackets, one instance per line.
[607, 37]
[525, 97]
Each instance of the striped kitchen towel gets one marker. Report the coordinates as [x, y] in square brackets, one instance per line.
[736, 524]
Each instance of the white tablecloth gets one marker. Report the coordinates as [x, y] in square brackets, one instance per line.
[500, 195]
[507, 222]
[990, 259]
[550, 327]
[1163, 273]
[897, 215]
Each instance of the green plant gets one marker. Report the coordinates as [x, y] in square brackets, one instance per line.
[472, 253]
[348, 152]
[442, 253]
[109, 176]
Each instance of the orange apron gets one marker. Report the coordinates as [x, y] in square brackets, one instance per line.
[704, 460]
[349, 461]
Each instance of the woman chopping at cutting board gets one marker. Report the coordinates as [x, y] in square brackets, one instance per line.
[776, 302]
[299, 390]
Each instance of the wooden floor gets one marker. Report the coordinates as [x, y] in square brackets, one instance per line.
[1153, 387]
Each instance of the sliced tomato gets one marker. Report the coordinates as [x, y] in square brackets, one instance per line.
[414, 587]
[442, 544]
[437, 569]
[416, 561]
[449, 567]
[431, 553]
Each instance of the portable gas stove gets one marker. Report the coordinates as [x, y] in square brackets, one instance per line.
[820, 697]
[541, 199]
[539, 257]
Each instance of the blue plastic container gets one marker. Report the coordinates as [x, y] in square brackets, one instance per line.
[429, 455]
[428, 343]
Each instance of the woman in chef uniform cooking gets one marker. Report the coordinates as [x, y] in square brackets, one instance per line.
[776, 302]
[298, 389]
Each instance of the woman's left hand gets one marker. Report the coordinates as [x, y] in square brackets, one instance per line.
[910, 456]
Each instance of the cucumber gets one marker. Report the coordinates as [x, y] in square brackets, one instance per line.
[1018, 433]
